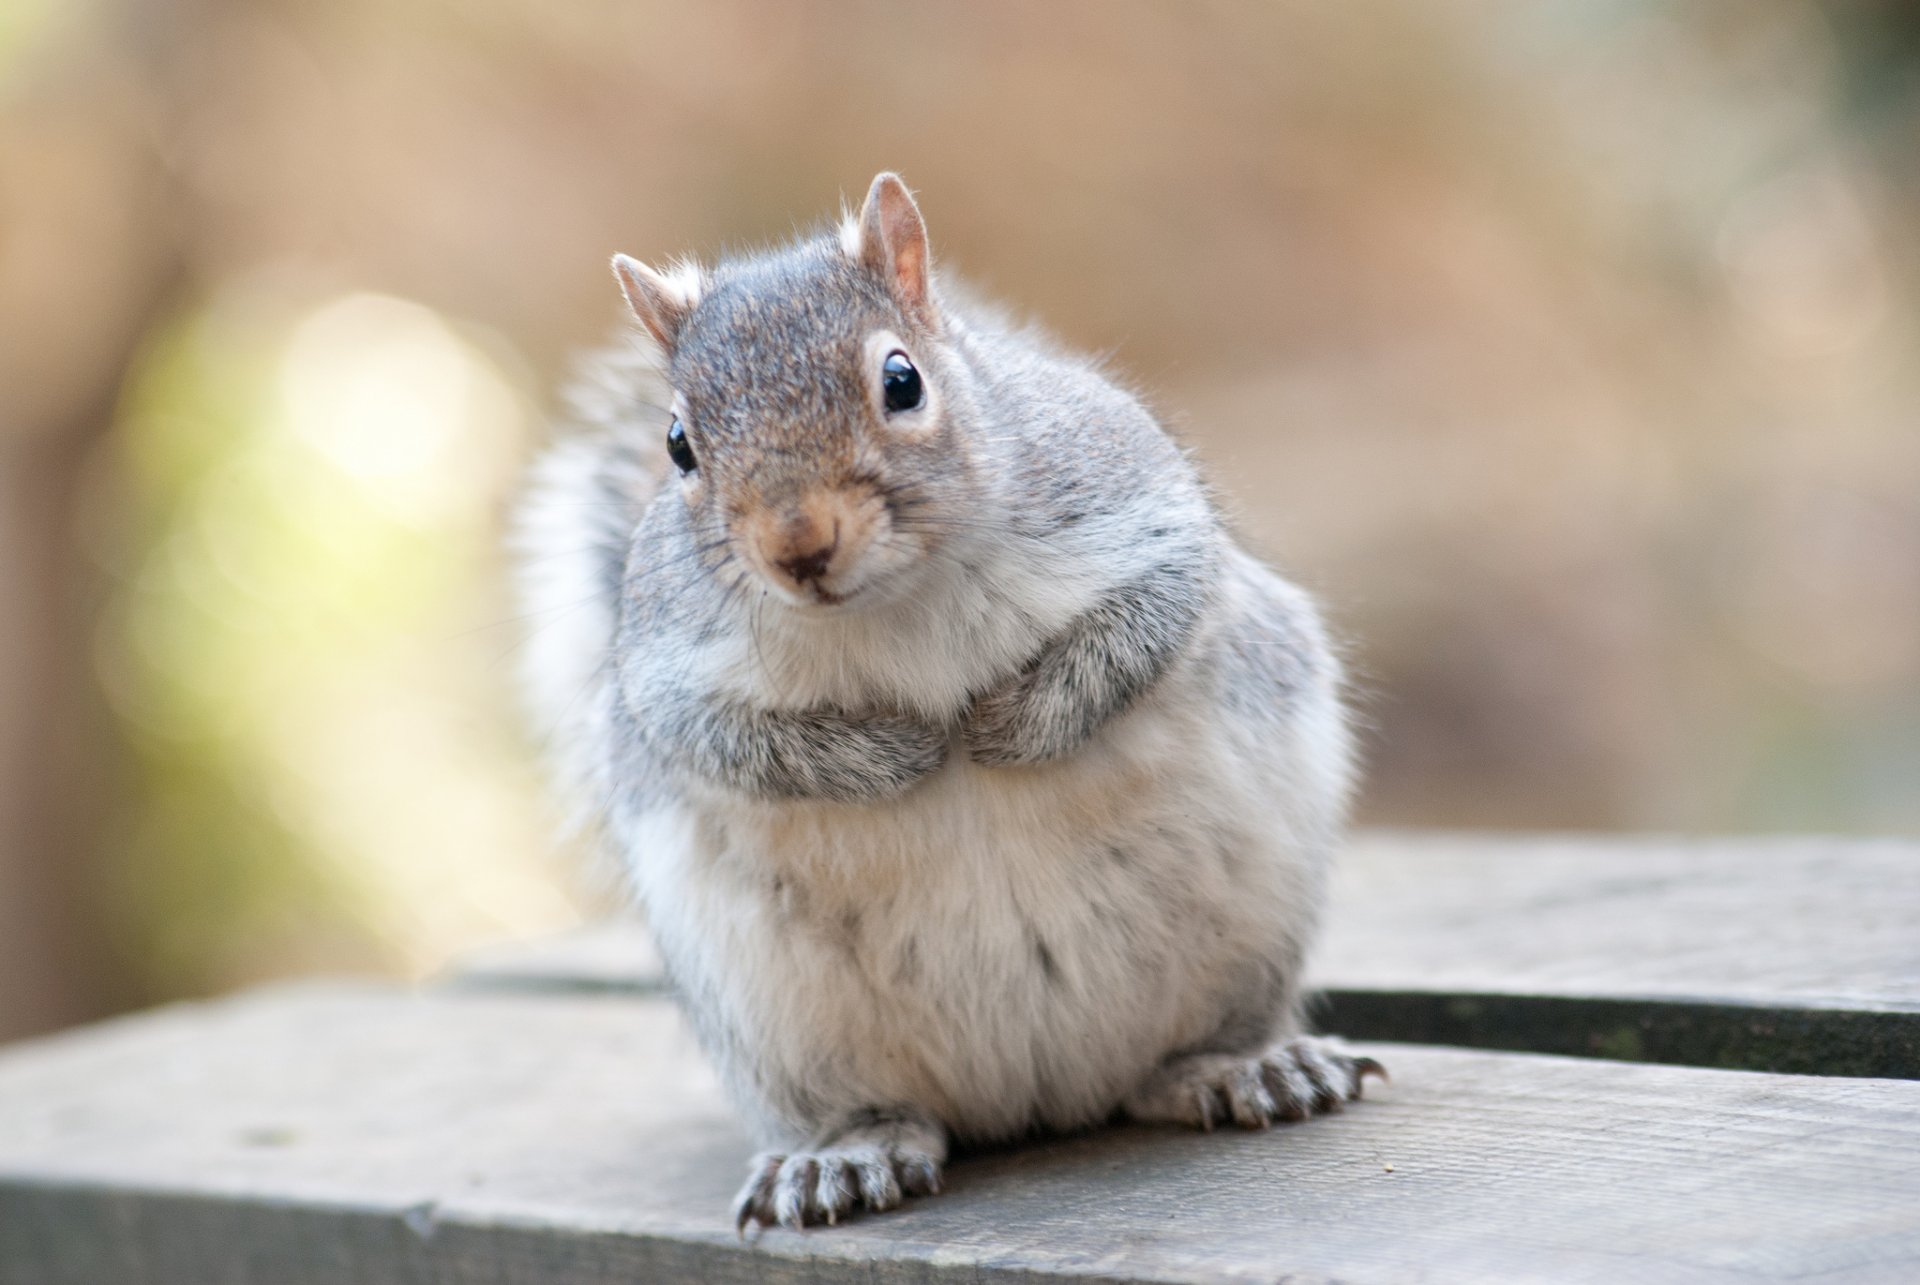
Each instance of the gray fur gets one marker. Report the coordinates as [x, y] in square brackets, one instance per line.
[1095, 669]
[816, 753]
[1028, 822]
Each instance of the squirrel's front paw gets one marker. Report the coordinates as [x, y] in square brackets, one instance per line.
[904, 751]
[1289, 1081]
[1026, 721]
[873, 1166]
[860, 760]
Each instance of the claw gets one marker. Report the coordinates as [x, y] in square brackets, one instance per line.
[1290, 1085]
[750, 1207]
[919, 1178]
[793, 1191]
[1365, 1066]
[744, 1216]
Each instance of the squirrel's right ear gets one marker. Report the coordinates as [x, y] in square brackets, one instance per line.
[890, 238]
[660, 301]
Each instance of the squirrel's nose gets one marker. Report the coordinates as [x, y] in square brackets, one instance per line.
[805, 548]
[804, 567]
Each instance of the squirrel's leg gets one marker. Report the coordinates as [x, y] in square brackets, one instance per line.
[788, 754]
[868, 1159]
[1106, 658]
[1288, 1080]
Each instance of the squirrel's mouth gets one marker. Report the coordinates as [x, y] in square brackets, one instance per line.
[813, 596]
[827, 598]
[848, 593]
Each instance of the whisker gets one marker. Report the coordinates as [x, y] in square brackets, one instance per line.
[520, 644]
[522, 618]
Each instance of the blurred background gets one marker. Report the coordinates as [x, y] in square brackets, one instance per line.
[1568, 349]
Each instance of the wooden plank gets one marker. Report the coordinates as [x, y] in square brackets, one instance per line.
[616, 957]
[1788, 922]
[319, 1137]
[1795, 955]
[1782, 954]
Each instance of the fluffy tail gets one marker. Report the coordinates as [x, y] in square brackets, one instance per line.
[569, 539]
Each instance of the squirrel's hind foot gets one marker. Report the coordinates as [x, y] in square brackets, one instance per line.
[1289, 1081]
[873, 1161]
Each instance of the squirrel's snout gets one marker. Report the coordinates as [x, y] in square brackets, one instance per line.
[808, 550]
[805, 564]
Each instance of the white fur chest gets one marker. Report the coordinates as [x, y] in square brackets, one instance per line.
[1004, 947]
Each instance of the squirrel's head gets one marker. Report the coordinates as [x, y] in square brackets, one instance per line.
[816, 413]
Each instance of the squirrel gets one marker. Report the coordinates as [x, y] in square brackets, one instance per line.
[972, 779]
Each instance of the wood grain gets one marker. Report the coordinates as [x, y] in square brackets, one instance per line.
[1780, 921]
[324, 1136]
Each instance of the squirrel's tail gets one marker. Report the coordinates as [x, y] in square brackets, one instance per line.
[568, 542]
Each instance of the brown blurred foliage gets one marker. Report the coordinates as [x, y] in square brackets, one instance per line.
[1567, 349]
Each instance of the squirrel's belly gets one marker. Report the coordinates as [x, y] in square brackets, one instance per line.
[1004, 947]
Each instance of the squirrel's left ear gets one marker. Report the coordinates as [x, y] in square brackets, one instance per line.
[661, 301]
[890, 238]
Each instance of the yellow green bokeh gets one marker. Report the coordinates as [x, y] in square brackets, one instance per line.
[323, 766]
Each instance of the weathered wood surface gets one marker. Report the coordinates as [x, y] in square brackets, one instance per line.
[1787, 954]
[325, 1136]
[1781, 954]
[1805, 922]
[615, 957]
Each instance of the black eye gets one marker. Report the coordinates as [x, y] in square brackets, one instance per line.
[679, 450]
[900, 382]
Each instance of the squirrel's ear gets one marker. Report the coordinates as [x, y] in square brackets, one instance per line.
[891, 239]
[660, 301]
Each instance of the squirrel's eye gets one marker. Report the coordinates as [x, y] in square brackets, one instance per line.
[900, 382]
[679, 450]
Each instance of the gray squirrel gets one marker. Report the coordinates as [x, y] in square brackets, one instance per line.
[974, 782]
